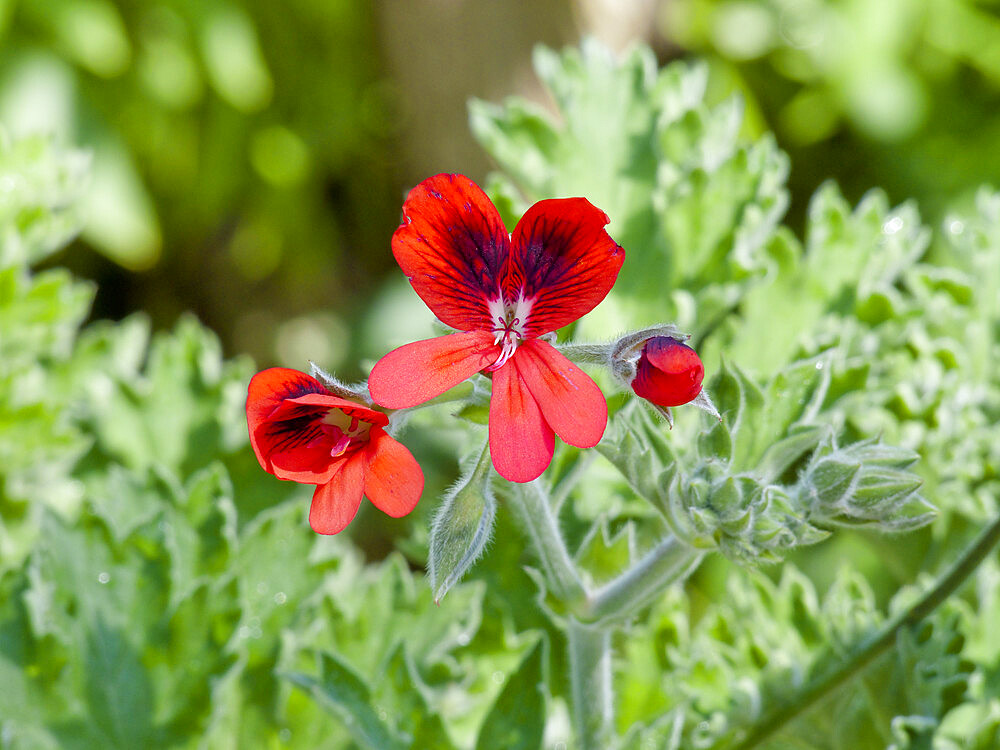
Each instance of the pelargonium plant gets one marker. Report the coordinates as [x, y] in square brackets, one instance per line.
[160, 591]
[506, 296]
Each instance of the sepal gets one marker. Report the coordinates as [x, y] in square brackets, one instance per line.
[351, 391]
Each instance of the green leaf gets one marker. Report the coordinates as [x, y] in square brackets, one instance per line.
[343, 693]
[783, 453]
[604, 555]
[276, 577]
[43, 189]
[185, 410]
[640, 450]
[669, 172]
[402, 694]
[119, 696]
[517, 719]
[740, 401]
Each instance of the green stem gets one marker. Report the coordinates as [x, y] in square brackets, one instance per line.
[666, 563]
[591, 689]
[531, 503]
[589, 354]
[876, 645]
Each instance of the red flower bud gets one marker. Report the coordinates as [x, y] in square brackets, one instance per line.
[668, 373]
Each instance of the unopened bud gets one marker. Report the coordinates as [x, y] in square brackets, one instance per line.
[668, 373]
[831, 482]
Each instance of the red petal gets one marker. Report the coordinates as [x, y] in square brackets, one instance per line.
[521, 442]
[280, 431]
[335, 503]
[570, 401]
[305, 464]
[418, 372]
[394, 480]
[269, 388]
[327, 402]
[669, 373]
[562, 261]
[452, 244]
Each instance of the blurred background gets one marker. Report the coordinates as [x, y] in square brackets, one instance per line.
[250, 157]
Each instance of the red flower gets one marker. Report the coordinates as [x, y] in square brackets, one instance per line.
[503, 292]
[300, 431]
[668, 373]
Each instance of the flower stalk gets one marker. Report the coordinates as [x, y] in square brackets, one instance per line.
[532, 506]
[877, 644]
[667, 563]
[591, 688]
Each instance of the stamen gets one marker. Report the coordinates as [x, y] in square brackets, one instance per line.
[340, 445]
[508, 329]
[343, 432]
[507, 335]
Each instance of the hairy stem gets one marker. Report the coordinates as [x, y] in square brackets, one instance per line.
[531, 504]
[875, 645]
[591, 690]
[589, 354]
[666, 563]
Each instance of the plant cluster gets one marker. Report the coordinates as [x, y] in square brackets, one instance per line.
[157, 589]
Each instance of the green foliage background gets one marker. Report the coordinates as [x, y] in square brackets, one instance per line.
[158, 590]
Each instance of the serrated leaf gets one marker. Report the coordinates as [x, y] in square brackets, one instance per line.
[635, 450]
[740, 402]
[179, 413]
[342, 692]
[794, 393]
[118, 693]
[517, 719]
[403, 695]
[122, 499]
[41, 208]
[603, 554]
[276, 576]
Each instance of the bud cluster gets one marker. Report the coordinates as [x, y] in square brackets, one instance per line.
[752, 498]
[864, 484]
[749, 518]
[746, 519]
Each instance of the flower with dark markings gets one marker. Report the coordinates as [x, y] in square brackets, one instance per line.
[503, 292]
[302, 432]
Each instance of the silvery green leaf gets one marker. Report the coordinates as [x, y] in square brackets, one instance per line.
[638, 450]
[43, 188]
[783, 453]
[603, 554]
[344, 693]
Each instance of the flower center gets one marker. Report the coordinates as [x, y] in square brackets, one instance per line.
[508, 327]
[343, 431]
